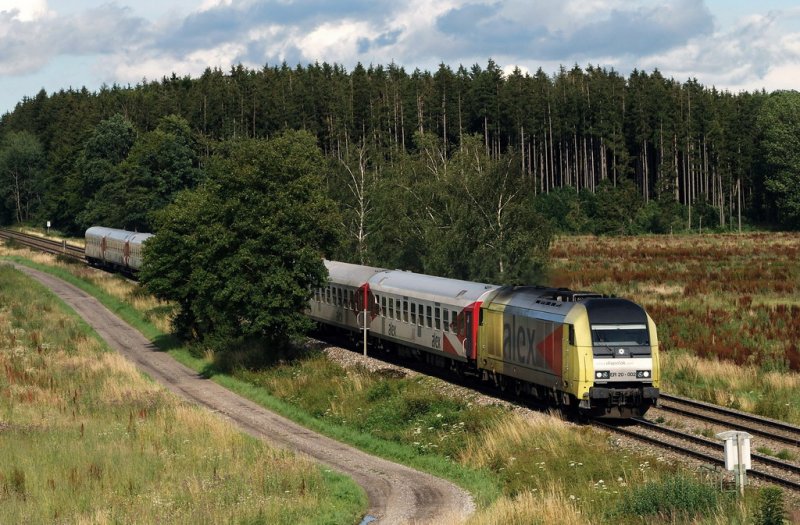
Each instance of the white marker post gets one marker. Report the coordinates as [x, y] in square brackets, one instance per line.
[737, 455]
[363, 318]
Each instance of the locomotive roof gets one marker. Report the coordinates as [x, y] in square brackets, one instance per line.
[350, 274]
[558, 301]
[429, 287]
[616, 310]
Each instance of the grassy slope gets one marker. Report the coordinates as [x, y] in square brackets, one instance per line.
[86, 438]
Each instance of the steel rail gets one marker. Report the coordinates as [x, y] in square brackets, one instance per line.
[736, 414]
[44, 244]
[713, 459]
[774, 462]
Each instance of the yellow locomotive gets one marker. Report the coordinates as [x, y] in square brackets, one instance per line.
[589, 354]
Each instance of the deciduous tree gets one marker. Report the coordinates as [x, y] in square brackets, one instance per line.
[21, 165]
[241, 253]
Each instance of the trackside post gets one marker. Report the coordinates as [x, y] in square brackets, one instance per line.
[737, 455]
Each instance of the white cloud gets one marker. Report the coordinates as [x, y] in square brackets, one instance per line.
[25, 10]
[211, 4]
[757, 52]
[133, 68]
[334, 42]
[28, 45]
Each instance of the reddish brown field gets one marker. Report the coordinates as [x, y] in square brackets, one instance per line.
[725, 299]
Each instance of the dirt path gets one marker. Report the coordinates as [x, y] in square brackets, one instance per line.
[397, 494]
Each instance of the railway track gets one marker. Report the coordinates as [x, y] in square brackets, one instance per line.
[711, 451]
[771, 429]
[44, 244]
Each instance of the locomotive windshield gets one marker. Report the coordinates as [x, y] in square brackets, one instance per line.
[620, 335]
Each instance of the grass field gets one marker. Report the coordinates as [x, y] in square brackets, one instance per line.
[87, 439]
[727, 309]
[521, 470]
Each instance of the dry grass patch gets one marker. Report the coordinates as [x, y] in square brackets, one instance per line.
[500, 443]
[87, 439]
[532, 508]
[157, 312]
[748, 388]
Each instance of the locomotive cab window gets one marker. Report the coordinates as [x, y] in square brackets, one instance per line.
[620, 334]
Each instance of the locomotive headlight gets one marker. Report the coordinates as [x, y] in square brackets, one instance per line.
[642, 374]
[605, 374]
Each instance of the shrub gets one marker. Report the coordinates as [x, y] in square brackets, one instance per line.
[671, 498]
[379, 390]
[770, 509]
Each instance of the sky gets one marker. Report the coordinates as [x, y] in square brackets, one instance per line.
[734, 45]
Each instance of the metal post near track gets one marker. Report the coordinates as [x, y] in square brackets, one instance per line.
[363, 317]
[362, 320]
[737, 455]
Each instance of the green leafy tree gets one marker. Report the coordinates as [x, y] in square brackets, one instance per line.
[467, 217]
[98, 164]
[159, 164]
[496, 227]
[565, 209]
[615, 207]
[21, 168]
[241, 253]
[779, 123]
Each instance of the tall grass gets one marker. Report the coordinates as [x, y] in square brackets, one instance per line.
[533, 508]
[86, 439]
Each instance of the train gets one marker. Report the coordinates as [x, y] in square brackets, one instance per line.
[588, 354]
[113, 249]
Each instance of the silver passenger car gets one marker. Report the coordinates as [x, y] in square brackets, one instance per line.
[434, 314]
[405, 309]
[113, 248]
